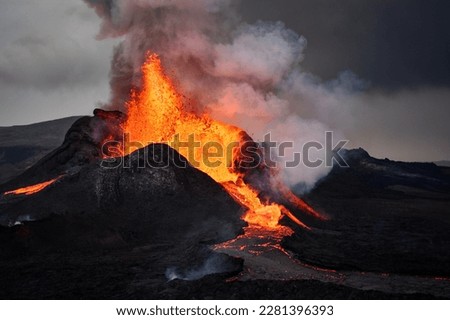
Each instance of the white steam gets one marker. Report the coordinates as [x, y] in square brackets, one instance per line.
[212, 265]
[246, 75]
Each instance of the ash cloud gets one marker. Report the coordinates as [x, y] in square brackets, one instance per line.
[51, 65]
[251, 75]
[242, 73]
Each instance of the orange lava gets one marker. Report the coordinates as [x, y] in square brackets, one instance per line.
[157, 114]
[297, 202]
[31, 189]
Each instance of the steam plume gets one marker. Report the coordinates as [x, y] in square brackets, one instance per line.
[244, 74]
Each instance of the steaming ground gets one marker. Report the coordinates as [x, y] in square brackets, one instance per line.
[265, 259]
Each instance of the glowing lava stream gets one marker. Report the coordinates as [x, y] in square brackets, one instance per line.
[156, 114]
[32, 189]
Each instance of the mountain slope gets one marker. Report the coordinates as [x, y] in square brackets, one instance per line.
[22, 146]
[385, 216]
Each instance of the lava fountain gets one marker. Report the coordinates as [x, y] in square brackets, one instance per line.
[157, 114]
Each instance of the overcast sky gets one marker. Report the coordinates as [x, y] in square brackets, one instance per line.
[391, 43]
[51, 66]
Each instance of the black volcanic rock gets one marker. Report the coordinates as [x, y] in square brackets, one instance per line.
[22, 146]
[150, 203]
[121, 227]
[135, 199]
[134, 222]
[137, 275]
[385, 216]
[82, 145]
[367, 176]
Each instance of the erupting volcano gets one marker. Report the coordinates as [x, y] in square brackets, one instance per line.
[212, 170]
[157, 114]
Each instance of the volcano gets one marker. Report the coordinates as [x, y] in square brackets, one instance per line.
[113, 232]
[99, 192]
[157, 114]
[128, 207]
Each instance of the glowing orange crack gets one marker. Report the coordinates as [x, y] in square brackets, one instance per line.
[32, 189]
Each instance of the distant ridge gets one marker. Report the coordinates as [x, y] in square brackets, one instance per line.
[23, 145]
[47, 133]
[444, 163]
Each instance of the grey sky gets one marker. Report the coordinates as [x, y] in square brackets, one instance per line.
[391, 43]
[51, 66]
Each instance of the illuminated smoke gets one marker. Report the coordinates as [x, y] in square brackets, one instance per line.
[245, 75]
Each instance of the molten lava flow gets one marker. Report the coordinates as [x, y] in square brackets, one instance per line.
[297, 202]
[156, 114]
[31, 189]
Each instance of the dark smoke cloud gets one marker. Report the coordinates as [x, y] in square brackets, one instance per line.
[179, 31]
[252, 75]
[393, 43]
[234, 69]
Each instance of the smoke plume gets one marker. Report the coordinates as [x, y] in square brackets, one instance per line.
[245, 75]
[214, 264]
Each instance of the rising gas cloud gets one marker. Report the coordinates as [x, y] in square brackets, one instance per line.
[248, 75]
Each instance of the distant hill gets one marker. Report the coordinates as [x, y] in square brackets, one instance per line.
[384, 216]
[22, 146]
[443, 163]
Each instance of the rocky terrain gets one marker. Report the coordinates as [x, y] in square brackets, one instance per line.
[108, 231]
[167, 211]
[23, 146]
[136, 274]
[385, 216]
